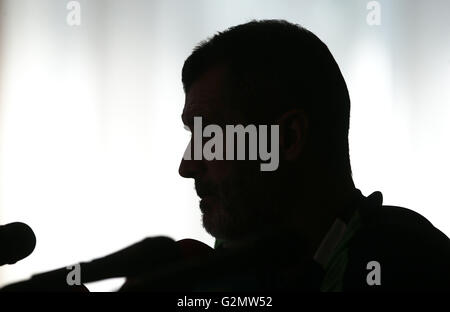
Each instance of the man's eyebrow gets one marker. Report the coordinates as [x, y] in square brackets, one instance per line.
[188, 115]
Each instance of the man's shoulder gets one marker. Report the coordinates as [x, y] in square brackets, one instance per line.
[382, 215]
[411, 252]
[400, 224]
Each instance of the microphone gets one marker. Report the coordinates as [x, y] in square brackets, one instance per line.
[191, 252]
[271, 260]
[17, 241]
[193, 249]
[146, 255]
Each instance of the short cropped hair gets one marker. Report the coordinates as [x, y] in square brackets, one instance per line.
[276, 66]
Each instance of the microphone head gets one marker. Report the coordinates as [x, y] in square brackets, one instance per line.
[140, 257]
[17, 241]
[191, 248]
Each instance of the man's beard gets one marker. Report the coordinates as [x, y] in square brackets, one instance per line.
[244, 205]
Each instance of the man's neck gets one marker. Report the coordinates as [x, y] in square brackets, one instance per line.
[313, 214]
[321, 207]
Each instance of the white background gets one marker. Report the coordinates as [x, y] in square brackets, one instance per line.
[90, 128]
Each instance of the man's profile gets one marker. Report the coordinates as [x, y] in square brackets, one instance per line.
[272, 72]
[269, 114]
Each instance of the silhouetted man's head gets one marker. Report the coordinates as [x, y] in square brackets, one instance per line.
[267, 73]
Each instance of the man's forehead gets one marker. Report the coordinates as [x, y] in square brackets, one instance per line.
[207, 94]
[212, 110]
[202, 105]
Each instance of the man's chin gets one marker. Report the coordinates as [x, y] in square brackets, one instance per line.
[215, 220]
[220, 224]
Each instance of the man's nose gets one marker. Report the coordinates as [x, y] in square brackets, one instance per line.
[191, 168]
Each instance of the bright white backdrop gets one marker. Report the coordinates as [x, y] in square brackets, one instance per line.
[90, 129]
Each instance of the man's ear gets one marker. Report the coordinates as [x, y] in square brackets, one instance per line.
[293, 133]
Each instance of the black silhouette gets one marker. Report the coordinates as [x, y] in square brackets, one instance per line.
[275, 72]
[303, 226]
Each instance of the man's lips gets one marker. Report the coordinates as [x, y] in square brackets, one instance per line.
[206, 195]
[203, 191]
